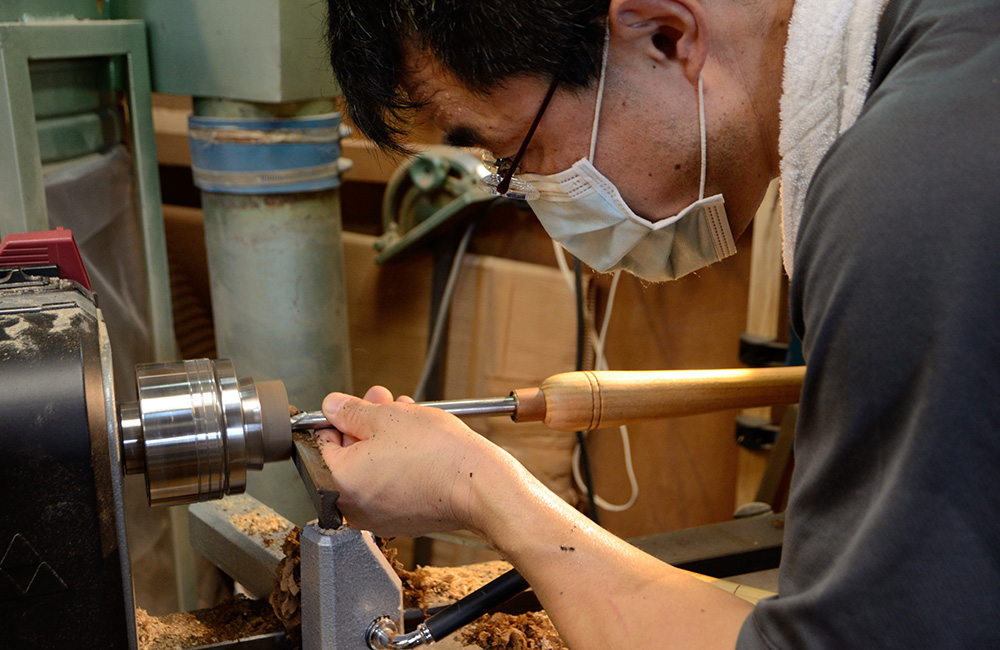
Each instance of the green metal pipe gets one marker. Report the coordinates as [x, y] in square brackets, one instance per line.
[278, 293]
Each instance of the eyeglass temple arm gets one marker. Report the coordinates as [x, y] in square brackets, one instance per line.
[509, 174]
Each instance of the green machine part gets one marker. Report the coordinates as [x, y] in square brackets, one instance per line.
[259, 60]
[63, 75]
[76, 100]
[77, 107]
[28, 10]
[67, 70]
[424, 194]
[268, 51]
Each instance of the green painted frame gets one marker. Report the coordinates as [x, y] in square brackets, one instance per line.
[22, 191]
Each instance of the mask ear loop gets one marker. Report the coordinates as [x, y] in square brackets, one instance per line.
[600, 100]
[701, 126]
[600, 92]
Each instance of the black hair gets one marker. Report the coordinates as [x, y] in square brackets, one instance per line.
[480, 42]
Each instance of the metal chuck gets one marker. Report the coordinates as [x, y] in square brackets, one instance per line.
[197, 429]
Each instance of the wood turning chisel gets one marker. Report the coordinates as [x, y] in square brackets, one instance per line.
[588, 400]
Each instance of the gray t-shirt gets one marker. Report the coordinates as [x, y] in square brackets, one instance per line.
[893, 526]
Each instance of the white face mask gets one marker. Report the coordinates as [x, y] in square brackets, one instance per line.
[583, 211]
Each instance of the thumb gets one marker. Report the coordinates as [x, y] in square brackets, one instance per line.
[350, 415]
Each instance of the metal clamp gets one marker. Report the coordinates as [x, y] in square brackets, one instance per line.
[383, 634]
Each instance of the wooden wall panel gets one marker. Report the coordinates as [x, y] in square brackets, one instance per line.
[686, 467]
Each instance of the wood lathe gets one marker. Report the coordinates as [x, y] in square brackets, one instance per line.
[194, 433]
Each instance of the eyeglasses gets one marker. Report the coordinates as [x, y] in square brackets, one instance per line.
[502, 181]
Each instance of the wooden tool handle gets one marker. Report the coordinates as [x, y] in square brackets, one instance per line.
[575, 401]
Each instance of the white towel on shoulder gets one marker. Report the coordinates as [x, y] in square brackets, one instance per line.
[828, 68]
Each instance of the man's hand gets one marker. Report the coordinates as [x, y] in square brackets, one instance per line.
[402, 469]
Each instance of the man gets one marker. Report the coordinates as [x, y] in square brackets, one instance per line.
[888, 146]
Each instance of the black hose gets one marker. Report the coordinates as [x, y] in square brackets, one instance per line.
[581, 437]
[581, 323]
[479, 602]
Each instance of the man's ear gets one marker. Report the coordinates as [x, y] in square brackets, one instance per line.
[674, 31]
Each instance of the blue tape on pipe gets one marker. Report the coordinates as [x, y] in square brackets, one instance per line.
[265, 156]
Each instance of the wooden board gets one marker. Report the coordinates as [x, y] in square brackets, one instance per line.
[764, 306]
[686, 467]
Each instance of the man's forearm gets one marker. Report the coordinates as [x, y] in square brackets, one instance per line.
[600, 591]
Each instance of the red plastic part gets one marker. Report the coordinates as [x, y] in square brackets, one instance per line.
[47, 247]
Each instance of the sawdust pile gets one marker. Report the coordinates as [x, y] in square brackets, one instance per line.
[284, 598]
[261, 522]
[530, 631]
[430, 586]
[234, 618]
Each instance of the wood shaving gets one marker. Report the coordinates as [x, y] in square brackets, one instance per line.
[311, 441]
[430, 586]
[233, 619]
[530, 631]
[307, 438]
[284, 599]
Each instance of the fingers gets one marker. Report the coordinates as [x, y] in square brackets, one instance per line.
[332, 448]
[382, 395]
[336, 403]
[353, 417]
[378, 395]
[372, 452]
[335, 438]
[330, 437]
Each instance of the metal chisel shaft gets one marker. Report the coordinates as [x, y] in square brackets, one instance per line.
[460, 407]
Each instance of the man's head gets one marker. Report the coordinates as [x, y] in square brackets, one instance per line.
[481, 44]
[481, 70]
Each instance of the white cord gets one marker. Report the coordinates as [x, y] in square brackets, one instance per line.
[629, 470]
[571, 285]
[602, 360]
[701, 132]
[599, 339]
[601, 363]
[600, 93]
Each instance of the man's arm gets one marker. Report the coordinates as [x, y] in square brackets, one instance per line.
[407, 470]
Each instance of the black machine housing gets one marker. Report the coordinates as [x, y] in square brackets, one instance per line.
[65, 580]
